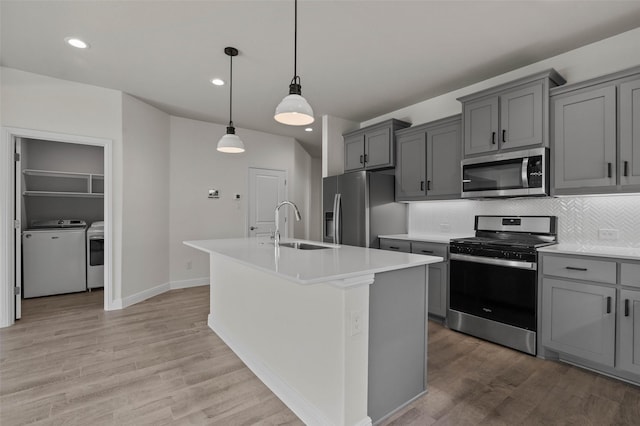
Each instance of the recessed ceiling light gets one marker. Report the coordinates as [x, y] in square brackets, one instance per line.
[217, 82]
[308, 129]
[76, 42]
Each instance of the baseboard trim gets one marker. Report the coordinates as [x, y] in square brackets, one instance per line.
[155, 291]
[195, 282]
[303, 408]
[142, 296]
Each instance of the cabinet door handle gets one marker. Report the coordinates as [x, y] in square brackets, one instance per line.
[493, 138]
[428, 185]
[504, 136]
[361, 161]
[609, 304]
[626, 168]
[574, 268]
[626, 307]
[609, 173]
[421, 185]
[366, 158]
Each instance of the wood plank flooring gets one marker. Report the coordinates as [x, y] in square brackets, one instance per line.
[67, 362]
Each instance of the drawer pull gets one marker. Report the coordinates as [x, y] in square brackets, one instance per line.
[394, 248]
[626, 307]
[573, 268]
[427, 251]
[609, 304]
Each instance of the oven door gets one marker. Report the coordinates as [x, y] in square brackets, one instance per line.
[498, 290]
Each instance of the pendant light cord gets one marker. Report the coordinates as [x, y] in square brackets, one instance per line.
[295, 40]
[230, 90]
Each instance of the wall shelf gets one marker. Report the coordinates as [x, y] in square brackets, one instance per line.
[50, 183]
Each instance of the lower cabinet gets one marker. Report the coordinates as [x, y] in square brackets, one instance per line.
[629, 309]
[579, 319]
[590, 312]
[438, 288]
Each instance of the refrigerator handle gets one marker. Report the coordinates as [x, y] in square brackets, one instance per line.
[337, 229]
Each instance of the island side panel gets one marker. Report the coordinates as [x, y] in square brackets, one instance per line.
[296, 338]
[397, 340]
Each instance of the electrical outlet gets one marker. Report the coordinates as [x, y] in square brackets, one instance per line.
[608, 234]
[214, 193]
[356, 322]
[189, 265]
[445, 227]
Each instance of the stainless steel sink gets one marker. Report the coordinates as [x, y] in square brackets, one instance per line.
[304, 246]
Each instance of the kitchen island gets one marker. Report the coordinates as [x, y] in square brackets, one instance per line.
[338, 333]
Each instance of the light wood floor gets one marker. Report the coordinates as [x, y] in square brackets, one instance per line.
[68, 362]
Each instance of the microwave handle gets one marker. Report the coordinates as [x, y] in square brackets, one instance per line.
[525, 172]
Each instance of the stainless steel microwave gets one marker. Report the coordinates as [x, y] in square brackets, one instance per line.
[512, 174]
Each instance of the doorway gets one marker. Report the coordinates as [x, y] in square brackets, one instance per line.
[13, 187]
[267, 188]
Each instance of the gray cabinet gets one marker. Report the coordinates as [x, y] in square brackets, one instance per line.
[590, 312]
[585, 139]
[630, 133]
[595, 137]
[629, 309]
[428, 161]
[579, 319]
[438, 284]
[510, 116]
[372, 147]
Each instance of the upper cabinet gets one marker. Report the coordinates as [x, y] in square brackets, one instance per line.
[510, 116]
[428, 161]
[596, 135]
[372, 147]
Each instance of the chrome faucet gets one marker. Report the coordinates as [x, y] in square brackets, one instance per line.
[276, 234]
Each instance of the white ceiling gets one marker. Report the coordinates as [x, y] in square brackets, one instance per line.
[357, 59]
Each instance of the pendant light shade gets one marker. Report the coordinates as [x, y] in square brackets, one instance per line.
[230, 143]
[294, 110]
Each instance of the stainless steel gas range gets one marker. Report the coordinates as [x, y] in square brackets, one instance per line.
[493, 279]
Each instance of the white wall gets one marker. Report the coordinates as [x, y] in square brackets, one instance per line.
[36, 102]
[196, 166]
[593, 60]
[332, 144]
[145, 246]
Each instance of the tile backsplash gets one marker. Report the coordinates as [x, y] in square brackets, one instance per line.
[579, 218]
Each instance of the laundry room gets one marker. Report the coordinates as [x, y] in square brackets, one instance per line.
[60, 189]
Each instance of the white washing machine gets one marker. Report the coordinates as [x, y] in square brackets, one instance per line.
[95, 255]
[53, 258]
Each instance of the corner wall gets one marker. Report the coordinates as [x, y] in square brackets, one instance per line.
[145, 248]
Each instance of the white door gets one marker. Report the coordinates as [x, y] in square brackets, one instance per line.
[266, 189]
[17, 235]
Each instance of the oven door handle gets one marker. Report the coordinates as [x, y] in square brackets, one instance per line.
[492, 261]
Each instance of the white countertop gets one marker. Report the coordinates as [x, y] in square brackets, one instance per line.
[427, 238]
[629, 253]
[311, 266]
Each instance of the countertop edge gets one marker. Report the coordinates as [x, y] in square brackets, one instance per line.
[329, 279]
[427, 238]
[625, 253]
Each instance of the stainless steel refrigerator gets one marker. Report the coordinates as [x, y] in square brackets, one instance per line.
[359, 206]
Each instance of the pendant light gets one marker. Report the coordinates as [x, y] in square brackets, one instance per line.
[294, 110]
[230, 143]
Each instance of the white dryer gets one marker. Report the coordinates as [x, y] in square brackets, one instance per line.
[53, 258]
[95, 255]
